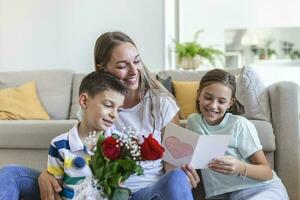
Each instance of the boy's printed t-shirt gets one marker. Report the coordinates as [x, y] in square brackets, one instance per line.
[68, 160]
[244, 143]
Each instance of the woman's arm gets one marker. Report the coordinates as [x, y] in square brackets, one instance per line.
[49, 187]
[259, 168]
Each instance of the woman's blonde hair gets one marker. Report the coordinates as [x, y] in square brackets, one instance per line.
[104, 47]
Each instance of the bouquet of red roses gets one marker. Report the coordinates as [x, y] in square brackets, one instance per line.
[117, 157]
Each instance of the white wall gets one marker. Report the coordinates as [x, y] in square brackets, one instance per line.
[42, 34]
[215, 16]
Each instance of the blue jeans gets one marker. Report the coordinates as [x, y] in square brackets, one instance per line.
[19, 182]
[270, 191]
[172, 186]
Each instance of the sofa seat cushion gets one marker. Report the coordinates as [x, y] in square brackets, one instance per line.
[31, 134]
[53, 88]
[265, 133]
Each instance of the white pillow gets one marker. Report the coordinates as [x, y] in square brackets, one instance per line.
[252, 93]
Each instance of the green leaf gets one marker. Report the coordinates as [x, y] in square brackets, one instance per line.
[101, 138]
[115, 180]
[115, 167]
[121, 194]
[107, 190]
[99, 173]
[126, 164]
[139, 170]
[192, 49]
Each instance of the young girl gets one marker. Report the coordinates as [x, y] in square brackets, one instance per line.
[244, 172]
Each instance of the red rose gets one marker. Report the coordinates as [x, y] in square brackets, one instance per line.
[111, 149]
[151, 149]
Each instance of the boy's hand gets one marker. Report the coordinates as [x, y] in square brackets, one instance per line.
[49, 187]
[227, 165]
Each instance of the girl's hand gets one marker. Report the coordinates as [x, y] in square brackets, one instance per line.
[192, 175]
[227, 165]
[49, 187]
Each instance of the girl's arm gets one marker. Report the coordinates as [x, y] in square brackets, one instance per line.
[259, 168]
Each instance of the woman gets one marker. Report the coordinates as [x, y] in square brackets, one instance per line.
[147, 109]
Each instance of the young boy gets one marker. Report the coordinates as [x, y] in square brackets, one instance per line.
[100, 97]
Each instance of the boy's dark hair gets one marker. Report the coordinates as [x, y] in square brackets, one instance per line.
[100, 81]
[224, 77]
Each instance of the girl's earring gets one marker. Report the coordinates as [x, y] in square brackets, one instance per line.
[98, 67]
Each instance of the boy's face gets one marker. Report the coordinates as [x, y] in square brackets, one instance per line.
[100, 112]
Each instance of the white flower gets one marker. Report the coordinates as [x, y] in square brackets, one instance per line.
[87, 190]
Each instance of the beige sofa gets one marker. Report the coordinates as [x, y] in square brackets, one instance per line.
[26, 141]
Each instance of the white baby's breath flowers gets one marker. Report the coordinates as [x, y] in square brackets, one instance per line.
[131, 142]
[88, 190]
[91, 140]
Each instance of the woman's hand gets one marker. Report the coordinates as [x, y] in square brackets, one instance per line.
[49, 187]
[227, 165]
[192, 175]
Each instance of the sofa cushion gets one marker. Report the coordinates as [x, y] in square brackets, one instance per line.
[165, 80]
[185, 93]
[266, 134]
[53, 88]
[77, 78]
[252, 93]
[31, 134]
[21, 103]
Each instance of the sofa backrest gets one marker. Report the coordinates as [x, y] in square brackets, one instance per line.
[53, 88]
[77, 78]
[184, 75]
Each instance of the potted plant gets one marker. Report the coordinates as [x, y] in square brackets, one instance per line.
[191, 54]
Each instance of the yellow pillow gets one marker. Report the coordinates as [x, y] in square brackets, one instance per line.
[185, 93]
[21, 103]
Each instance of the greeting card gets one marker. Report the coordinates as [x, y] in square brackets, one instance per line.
[183, 146]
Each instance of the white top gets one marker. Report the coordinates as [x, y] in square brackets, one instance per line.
[244, 143]
[139, 119]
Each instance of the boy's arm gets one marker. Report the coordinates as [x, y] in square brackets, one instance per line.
[55, 165]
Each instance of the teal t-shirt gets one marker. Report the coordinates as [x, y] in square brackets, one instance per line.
[243, 143]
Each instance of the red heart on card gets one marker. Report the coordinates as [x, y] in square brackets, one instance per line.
[177, 148]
